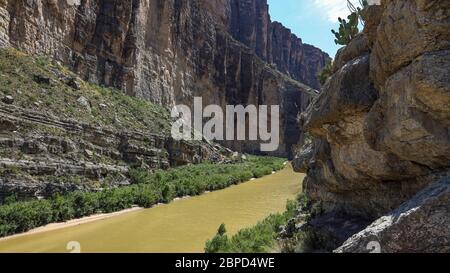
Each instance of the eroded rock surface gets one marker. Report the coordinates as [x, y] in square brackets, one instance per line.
[381, 124]
[54, 155]
[419, 225]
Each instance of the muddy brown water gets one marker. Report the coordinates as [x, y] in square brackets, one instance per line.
[181, 226]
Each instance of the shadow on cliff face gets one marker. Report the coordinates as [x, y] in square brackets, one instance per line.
[293, 105]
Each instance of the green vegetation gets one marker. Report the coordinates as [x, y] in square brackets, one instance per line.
[37, 83]
[348, 29]
[308, 239]
[363, 5]
[148, 189]
[264, 237]
[326, 73]
[222, 230]
[261, 238]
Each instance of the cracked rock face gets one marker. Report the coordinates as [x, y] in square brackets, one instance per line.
[420, 225]
[382, 123]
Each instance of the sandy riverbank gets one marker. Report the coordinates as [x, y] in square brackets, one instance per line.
[80, 221]
[72, 223]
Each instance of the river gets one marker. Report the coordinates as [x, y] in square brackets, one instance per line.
[181, 226]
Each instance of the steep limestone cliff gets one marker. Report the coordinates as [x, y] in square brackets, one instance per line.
[381, 126]
[250, 23]
[170, 51]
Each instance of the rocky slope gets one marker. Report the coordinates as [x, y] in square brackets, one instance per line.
[59, 133]
[381, 128]
[170, 51]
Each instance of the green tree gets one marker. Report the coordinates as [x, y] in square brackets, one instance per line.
[326, 73]
[220, 242]
[222, 230]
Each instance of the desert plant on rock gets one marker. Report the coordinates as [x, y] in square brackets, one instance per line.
[326, 73]
[363, 4]
[348, 29]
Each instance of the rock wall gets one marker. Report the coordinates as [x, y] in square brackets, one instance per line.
[170, 51]
[42, 154]
[419, 225]
[382, 121]
[250, 23]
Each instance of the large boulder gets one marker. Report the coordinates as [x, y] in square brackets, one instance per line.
[347, 93]
[350, 174]
[357, 47]
[301, 162]
[412, 118]
[420, 225]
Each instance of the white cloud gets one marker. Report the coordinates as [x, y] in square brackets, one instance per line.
[334, 8]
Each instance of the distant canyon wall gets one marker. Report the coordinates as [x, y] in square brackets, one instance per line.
[251, 24]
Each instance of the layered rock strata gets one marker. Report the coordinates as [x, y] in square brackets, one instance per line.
[42, 155]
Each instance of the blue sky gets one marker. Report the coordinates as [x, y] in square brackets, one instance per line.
[311, 20]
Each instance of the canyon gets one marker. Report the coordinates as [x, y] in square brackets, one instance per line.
[163, 51]
[376, 135]
[167, 52]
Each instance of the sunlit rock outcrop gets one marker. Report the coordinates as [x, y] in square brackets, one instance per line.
[382, 123]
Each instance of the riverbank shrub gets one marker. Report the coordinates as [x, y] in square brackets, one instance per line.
[261, 238]
[147, 190]
[20, 217]
[263, 171]
[222, 230]
[219, 244]
[63, 209]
